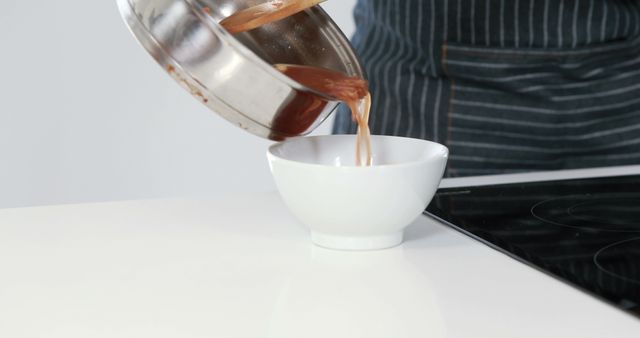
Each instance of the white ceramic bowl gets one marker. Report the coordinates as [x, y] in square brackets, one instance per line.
[357, 208]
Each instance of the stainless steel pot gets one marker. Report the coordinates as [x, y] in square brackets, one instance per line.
[233, 75]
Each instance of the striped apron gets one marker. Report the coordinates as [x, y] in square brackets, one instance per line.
[507, 85]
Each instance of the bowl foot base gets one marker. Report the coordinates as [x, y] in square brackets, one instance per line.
[357, 243]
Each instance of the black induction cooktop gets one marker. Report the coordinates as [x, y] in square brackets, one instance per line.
[585, 232]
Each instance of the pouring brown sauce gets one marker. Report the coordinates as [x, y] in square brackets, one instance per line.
[353, 91]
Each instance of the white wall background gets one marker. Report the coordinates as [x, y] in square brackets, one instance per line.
[86, 115]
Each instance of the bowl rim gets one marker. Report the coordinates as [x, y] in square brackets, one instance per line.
[272, 156]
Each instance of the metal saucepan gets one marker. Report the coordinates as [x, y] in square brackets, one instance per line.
[233, 75]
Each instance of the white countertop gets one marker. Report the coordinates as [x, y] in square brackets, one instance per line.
[242, 266]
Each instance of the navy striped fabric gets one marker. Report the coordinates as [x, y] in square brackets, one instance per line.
[507, 85]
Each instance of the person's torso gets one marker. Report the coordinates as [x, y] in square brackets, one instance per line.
[508, 85]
